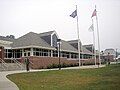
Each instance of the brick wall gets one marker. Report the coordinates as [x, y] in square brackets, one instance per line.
[89, 61]
[43, 62]
[2, 52]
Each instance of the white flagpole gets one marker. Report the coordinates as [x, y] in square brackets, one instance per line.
[94, 51]
[98, 38]
[78, 38]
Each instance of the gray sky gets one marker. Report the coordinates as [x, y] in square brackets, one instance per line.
[18, 17]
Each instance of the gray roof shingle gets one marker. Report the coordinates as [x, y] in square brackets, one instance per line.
[67, 47]
[30, 39]
[46, 33]
[84, 50]
[6, 39]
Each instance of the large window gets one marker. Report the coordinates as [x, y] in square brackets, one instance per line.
[41, 52]
[27, 51]
[8, 53]
[87, 56]
[74, 55]
[55, 53]
[15, 53]
[65, 54]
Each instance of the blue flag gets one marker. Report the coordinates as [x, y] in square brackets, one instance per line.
[74, 14]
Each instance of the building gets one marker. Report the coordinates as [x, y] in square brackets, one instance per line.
[109, 54]
[90, 47]
[40, 46]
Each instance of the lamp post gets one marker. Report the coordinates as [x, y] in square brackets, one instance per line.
[59, 41]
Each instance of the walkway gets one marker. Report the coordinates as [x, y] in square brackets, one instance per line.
[6, 84]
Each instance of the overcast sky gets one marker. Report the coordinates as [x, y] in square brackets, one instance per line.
[18, 17]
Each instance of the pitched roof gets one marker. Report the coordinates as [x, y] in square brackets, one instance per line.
[46, 33]
[73, 41]
[6, 38]
[67, 47]
[90, 45]
[84, 50]
[30, 39]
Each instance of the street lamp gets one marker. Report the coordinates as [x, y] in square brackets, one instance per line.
[59, 42]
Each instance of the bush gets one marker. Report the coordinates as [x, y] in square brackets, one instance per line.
[89, 63]
[52, 66]
[64, 65]
[49, 66]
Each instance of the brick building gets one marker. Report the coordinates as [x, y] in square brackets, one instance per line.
[38, 47]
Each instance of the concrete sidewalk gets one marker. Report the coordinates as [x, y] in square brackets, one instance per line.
[6, 84]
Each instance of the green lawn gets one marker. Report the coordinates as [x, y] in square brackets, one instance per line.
[107, 78]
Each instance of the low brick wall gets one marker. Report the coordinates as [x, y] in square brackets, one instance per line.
[89, 61]
[43, 62]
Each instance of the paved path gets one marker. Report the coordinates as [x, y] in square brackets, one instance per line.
[6, 84]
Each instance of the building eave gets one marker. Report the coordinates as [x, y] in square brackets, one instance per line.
[69, 51]
[32, 46]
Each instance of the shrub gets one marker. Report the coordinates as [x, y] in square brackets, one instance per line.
[63, 65]
[52, 66]
[89, 63]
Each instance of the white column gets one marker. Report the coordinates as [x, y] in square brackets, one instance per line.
[22, 52]
[31, 52]
[70, 55]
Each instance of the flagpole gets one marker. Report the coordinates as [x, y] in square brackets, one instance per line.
[94, 51]
[78, 38]
[98, 38]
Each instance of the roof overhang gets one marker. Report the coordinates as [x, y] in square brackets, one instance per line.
[32, 46]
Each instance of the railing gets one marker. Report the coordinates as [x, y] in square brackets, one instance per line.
[18, 63]
[4, 65]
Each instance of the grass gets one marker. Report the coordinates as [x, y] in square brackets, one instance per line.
[107, 78]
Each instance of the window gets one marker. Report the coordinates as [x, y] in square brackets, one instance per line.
[41, 52]
[55, 53]
[15, 53]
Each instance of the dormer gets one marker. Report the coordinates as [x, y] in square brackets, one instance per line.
[74, 43]
[50, 37]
